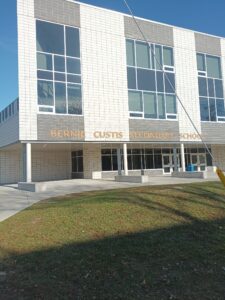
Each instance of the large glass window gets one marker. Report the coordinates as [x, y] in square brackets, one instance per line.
[58, 69]
[210, 85]
[50, 37]
[147, 83]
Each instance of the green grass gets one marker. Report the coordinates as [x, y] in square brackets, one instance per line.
[163, 242]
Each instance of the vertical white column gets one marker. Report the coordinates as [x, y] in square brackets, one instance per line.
[28, 163]
[182, 157]
[125, 159]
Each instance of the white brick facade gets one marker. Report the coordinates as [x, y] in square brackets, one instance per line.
[103, 51]
[186, 80]
[92, 161]
[27, 70]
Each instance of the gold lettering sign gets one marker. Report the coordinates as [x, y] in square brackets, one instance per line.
[57, 133]
[108, 135]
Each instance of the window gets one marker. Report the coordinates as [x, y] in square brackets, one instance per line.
[135, 101]
[109, 160]
[147, 84]
[201, 62]
[160, 81]
[169, 82]
[213, 66]
[74, 99]
[210, 85]
[150, 108]
[58, 69]
[161, 106]
[45, 93]
[60, 98]
[168, 56]
[146, 80]
[220, 108]
[158, 57]
[171, 104]
[77, 162]
[131, 77]
[202, 85]
[130, 53]
[50, 37]
[72, 42]
[142, 53]
[59, 63]
[73, 65]
[44, 61]
[218, 88]
[204, 109]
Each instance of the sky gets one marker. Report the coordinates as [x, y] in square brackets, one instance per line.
[200, 15]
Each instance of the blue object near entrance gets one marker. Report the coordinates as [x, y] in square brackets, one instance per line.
[190, 168]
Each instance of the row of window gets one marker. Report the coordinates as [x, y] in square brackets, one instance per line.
[60, 98]
[149, 80]
[151, 158]
[146, 158]
[149, 56]
[152, 105]
[9, 111]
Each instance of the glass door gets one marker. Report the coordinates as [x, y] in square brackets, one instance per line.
[167, 163]
[194, 161]
[202, 162]
[199, 161]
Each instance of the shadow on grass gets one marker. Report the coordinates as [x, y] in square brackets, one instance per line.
[181, 262]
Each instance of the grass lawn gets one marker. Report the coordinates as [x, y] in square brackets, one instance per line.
[163, 242]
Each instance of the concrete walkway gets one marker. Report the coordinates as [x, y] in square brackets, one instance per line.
[13, 200]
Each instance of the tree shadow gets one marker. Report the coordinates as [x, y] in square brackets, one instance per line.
[180, 262]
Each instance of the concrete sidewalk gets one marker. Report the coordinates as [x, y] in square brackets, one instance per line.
[13, 200]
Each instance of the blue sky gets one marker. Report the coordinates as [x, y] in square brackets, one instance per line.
[201, 15]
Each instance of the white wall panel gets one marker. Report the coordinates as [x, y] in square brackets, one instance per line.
[186, 81]
[103, 51]
[27, 70]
